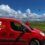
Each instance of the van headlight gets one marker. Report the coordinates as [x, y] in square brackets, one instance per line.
[42, 33]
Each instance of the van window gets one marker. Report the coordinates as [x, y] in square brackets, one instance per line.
[15, 26]
[18, 27]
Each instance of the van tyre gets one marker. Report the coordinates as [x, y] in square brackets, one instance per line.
[34, 42]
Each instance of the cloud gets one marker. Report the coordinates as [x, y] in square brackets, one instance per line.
[28, 11]
[7, 11]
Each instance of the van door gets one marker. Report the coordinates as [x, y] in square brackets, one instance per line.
[16, 30]
[3, 33]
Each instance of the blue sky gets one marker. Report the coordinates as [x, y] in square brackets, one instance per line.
[37, 6]
[33, 10]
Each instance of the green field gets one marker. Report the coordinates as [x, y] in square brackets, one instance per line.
[39, 25]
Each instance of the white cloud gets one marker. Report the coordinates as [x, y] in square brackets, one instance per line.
[6, 11]
[28, 11]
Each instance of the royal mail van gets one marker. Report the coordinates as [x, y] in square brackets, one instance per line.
[15, 32]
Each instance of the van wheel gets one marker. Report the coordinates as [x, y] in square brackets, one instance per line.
[34, 42]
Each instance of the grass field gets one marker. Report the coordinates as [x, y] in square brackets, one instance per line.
[39, 25]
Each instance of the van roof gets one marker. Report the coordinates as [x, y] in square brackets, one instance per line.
[9, 19]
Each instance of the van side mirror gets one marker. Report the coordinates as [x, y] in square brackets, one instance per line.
[27, 23]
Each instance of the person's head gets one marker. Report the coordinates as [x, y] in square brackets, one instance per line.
[27, 23]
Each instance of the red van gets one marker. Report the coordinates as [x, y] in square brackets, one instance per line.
[15, 32]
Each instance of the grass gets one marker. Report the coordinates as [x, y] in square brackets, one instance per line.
[39, 25]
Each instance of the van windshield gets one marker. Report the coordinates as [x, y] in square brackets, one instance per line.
[18, 27]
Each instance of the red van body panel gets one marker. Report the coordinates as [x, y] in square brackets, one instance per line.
[13, 37]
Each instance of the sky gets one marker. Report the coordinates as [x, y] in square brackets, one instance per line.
[35, 5]
[23, 9]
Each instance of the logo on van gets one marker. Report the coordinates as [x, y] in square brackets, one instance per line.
[0, 25]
